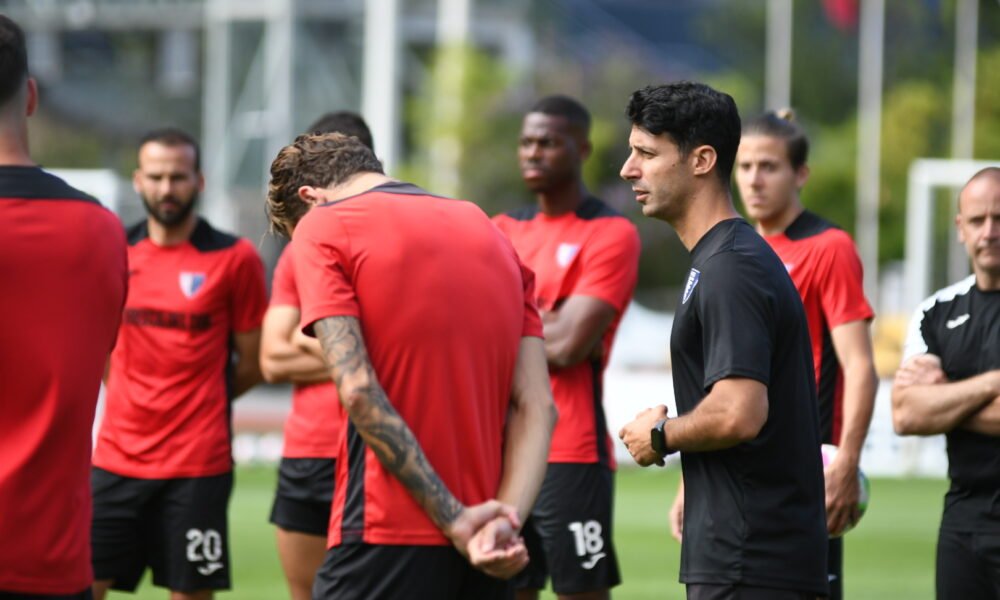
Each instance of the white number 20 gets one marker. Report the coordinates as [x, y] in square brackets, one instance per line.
[204, 545]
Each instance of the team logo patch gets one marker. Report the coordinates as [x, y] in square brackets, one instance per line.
[191, 282]
[565, 253]
[692, 281]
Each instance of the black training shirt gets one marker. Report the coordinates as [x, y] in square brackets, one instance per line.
[754, 513]
[960, 324]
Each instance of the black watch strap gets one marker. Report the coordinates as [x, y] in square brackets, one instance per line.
[658, 439]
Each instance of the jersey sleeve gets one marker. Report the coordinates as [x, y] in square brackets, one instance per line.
[735, 310]
[842, 294]
[532, 326]
[249, 299]
[610, 264]
[322, 257]
[283, 290]
[919, 338]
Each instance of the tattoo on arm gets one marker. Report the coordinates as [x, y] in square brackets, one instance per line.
[380, 426]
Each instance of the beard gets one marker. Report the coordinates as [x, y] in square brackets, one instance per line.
[170, 218]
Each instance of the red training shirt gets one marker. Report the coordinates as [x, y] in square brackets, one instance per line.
[313, 426]
[65, 274]
[826, 270]
[593, 251]
[443, 302]
[167, 413]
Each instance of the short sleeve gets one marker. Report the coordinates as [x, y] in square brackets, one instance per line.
[610, 264]
[842, 294]
[736, 310]
[283, 290]
[917, 334]
[322, 257]
[249, 299]
[532, 326]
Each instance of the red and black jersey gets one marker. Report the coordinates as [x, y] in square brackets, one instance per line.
[313, 426]
[593, 251]
[65, 274]
[443, 302]
[824, 265]
[167, 410]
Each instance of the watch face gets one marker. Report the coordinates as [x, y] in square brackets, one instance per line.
[657, 439]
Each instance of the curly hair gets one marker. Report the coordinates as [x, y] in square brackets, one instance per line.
[691, 114]
[316, 160]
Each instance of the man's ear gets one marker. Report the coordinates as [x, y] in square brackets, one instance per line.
[32, 100]
[801, 177]
[702, 160]
[311, 195]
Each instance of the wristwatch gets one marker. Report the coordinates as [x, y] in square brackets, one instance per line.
[658, 439]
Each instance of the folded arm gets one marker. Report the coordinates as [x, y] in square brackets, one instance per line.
[924, 402]
[282, 357]
[247, 368]
[574, 331]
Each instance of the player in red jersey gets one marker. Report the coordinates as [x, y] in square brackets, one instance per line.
[163, 465]
[427, 321]
[771, 171]
[65, 275]
[301, 510]
[585, 257]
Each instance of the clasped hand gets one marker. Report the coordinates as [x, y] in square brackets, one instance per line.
[488, 536]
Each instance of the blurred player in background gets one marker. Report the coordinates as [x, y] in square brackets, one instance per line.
[188, 346]
[949, 382]
[301, 510]
[820, 257]
[748, 426]
[65, 275]
[585, 256]
[395, 283]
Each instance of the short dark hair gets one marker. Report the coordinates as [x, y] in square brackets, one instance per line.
[317, 160]
[563, 106]
[781, 124]
[13, 59]
[172, 136]
[346, 122]
[691, 114]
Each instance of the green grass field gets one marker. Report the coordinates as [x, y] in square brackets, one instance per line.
[890, 555]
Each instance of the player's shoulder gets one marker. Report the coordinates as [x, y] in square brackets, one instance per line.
[814, 229]
[34, 183]
[521, 214]
[955, 292]
[599, 211]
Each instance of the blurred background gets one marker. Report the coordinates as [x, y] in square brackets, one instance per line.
[878, 84]
[901, 99]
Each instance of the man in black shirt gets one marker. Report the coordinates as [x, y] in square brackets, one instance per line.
[949, 382]
[755, 523]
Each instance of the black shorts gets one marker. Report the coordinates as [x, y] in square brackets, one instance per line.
[968, 565]
[363, 571]
[734, 591]
[305, 492]
[835, 568]
[177, 527]
[569, 533]
[84, 595]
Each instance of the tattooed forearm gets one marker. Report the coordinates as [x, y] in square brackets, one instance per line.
[381, 427]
